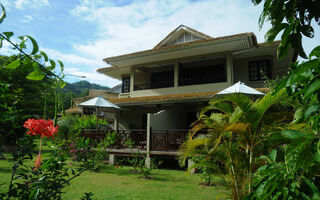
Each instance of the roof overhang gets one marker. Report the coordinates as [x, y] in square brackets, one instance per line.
[121, 64]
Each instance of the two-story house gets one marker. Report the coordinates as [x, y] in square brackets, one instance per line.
[176, 78]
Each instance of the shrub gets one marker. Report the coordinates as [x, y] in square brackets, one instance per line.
[82, 150]
[138, 162]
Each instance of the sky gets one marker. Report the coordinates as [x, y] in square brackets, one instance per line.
[81, 33]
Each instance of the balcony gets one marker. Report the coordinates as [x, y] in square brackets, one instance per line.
[153, 85]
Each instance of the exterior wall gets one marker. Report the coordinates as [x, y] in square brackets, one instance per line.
[131, 119]
[181, 89]
[169, 119]
[236, 70]
[241, 69]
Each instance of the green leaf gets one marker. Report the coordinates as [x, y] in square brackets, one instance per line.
[285, 44]
[274, 31]
[313, 87]
[311, 109]
[1, 39]
[62, 84]
[22, 43]
[291, 134]
[36, 75]
[52, 65]
[308, 31]
[315, 52]
[61, 65]
[8, 34]
[44, 56]
[3, 14]
[273, 155]
[14, 65]
[316, 156]
[34, 44]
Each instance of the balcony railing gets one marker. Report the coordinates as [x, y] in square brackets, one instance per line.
[160, 140]
[154, 85]
[201, 80]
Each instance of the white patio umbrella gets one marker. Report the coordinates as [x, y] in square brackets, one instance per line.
[240, 88]
[99, 102]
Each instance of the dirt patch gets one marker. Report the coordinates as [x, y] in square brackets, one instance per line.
[146, 178]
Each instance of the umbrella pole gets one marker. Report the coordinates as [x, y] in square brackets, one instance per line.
[97, 115]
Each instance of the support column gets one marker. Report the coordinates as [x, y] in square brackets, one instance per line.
[176, 74]
[112, 159]
[116, 121]
[190, 164]
[132, 79]
[230, 78]
[148, 159]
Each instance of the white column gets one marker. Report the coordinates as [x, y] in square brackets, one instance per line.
[116, 121]
[230, 68]
[131, 79]
[148, 133]
[190, 164]
[112, 159]
[148, 159]
[176, 74]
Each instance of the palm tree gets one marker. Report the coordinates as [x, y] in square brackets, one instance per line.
[237, 128]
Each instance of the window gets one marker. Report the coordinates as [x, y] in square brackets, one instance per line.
[125, 84]
[162, 79]
[202, 72]
[185, 37]
[259, 69]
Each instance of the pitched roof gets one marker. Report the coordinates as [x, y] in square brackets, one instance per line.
[74, 110]
[175, 31]
[169, 98]
[176, 46]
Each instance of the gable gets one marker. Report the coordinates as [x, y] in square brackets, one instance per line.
[180, 35]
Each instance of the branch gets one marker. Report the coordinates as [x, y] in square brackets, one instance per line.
[43, 68]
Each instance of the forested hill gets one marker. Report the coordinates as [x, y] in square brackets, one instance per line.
[81, 88]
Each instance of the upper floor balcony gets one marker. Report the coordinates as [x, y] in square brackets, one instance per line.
[174, 76]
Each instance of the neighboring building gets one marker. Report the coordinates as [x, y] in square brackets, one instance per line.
[106, 94]
[176, 78]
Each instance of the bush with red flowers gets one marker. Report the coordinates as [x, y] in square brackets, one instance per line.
[41, 127]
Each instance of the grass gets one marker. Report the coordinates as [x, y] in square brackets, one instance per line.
[114, 183]
[118, 183]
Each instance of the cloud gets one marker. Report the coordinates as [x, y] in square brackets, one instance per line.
[22, 4]
[72, 58]
[140, 25]
[81, 66]
[91, 76]
[26, 18]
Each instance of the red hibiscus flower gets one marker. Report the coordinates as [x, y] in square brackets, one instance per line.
[41, 127]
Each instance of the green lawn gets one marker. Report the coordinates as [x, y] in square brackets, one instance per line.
[119, 183]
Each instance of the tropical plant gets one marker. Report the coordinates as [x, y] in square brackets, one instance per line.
[292, 18]
[290, 174]
[138, 162]
[237, 134]
[294, 176]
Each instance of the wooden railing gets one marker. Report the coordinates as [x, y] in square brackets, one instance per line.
[167, 140]
[160, 140]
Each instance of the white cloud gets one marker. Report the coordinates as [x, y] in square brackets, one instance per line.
[26, 18]
[73, 59]
[142, 24]
[91, 76]
[23, 4]
[81, 66]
